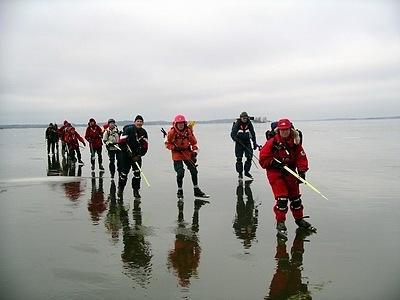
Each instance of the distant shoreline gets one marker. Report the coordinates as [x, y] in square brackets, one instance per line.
[218, 121]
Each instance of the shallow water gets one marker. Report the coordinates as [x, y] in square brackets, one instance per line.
[66, 237]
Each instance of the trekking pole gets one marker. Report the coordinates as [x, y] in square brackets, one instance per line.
[141, 172]
[301, 179]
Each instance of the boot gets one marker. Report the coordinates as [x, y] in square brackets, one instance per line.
[101, 167]
[240, 176]
[179, 194]
[304, 224]
[199, 193]
[281, 230]
[136, 194]
[92, 167]
[247, 174]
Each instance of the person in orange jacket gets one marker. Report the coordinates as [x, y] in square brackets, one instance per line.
[94, 135]
[282, 150]
[183, 145]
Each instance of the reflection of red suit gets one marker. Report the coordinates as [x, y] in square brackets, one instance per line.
[286, 281]
[97, 204]
[185, 258]
[283, 184]
[73, 190]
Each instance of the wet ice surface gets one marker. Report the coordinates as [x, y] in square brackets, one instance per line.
[67, 237]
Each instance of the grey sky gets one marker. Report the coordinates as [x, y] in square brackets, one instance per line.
[299, 59]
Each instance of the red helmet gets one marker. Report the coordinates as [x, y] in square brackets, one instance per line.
[180, 119]
[284, 124]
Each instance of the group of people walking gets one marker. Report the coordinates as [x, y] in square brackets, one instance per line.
[283, 149]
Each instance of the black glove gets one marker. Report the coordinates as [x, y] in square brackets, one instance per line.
[255, 146]
[276, 164]
[302, 175]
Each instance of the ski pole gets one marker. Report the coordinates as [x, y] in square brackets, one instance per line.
[141, 172]
[302, 180]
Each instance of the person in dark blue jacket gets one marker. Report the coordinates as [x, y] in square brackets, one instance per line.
[242, 134]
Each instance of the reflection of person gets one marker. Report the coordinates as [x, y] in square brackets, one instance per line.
[136, 255]
[246, 220]
[53, 165]
[242, 132]
[183, 145]
[185, 256]
[97, 204]
[287, 280]
[113, 222]
[279, 151]
[73, 190]
[134, 144]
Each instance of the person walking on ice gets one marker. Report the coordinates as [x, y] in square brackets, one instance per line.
[242, 133]
[284, 149]
[183, 145]
[94, 136]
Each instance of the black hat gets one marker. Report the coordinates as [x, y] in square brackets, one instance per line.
[111, 121]
[139, 117]
[244, 115]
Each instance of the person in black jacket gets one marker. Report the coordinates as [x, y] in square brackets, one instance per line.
[242, 133]
[134, 144]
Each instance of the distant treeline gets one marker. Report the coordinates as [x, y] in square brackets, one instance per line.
[218, 121]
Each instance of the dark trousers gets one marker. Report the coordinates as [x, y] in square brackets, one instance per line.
[247, 150]
[51, 144]
[180, 171]
[125, 163]
[112, 154]
[93, 155]
[71, 153]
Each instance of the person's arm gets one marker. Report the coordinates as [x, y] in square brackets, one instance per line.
[234, 131]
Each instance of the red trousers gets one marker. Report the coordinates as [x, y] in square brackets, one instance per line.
[285, 185]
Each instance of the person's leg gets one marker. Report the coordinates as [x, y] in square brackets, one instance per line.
[111, 166]
[180, 173]
[136, 178]
[239, 154]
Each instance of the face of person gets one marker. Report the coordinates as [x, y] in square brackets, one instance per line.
[284, 132]
[112, 125]
[91, 123]
[138, 123]
[244, 119]
[180, 125]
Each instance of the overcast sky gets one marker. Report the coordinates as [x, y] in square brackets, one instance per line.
[206, 59]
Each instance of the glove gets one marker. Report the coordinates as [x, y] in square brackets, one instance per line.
[302, 175]
[255, 146]
[276, 164]
[136, 158]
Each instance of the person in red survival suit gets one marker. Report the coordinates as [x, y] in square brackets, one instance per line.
[61, 133]
[71, 139]
[94, 135]
[279, 151]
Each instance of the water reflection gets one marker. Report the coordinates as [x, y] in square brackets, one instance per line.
[113, 222]
[53, 165]
[97, 204]
[73, 190]
[184, 258]
[246, 219]
[287, 282]
[137, 254]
